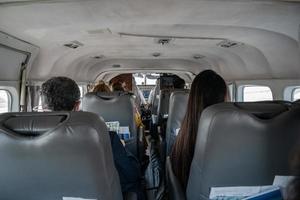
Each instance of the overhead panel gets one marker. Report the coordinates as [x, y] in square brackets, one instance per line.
[10, 63]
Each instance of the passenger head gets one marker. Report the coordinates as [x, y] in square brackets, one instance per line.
[208, 88]
[178, 82]
[118, 86]
[61, 94]
[101, 87]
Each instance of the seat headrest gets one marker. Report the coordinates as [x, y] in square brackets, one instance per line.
[263, 109]
[30, 126]
[108, 95]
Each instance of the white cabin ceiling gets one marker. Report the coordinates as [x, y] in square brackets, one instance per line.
[125, 32]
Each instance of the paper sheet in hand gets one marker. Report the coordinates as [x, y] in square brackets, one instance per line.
[124, 132]
[282, 181]
[272, 194]
[113, 126]
[241, 191]
[177, 131]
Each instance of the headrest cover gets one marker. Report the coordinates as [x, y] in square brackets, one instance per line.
[109, 95]
[33, 125]
[263, 110]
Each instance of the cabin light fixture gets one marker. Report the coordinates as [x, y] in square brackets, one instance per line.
[229, 44]
[163, 41]
[99, 31]
[116, 66]
[73, 44]
[98, 57]
[198, 56]
[156, 54]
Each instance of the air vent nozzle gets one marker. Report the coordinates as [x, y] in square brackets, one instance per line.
[156, 54]
[163, 41]
[73, 44]
[229, 44]
[198, 56]
[97, 57]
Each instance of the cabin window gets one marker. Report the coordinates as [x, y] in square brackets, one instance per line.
[5, 102]
[257, 93]
[296, 94]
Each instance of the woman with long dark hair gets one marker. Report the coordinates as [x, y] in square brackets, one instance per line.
[208, 88]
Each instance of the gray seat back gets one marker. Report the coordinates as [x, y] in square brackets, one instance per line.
[54, 155]
[177, 109]
[114, 107]
[163, 103]
[242, 145]
[155, 100]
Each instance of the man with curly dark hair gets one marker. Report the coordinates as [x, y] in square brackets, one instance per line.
[63, 94]
[60, 94]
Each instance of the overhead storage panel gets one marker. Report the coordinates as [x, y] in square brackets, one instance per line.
[10, 63]
[15, 54]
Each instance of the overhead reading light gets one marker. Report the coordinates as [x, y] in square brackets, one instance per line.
[116, 66]
[198, 56]
[73, 44]
[98, 57]
[156, 54]
[163, 41]
[229, 44]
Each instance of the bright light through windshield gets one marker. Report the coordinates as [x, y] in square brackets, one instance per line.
[151, 81]
[139, 80]
[145, 79]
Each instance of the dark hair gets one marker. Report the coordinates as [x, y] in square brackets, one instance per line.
[117, 86]
[208, 88]
[293, 190]
[178, 82]
[101, 87]
[60, 93]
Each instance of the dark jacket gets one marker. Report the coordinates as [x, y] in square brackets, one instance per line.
[127, 166]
